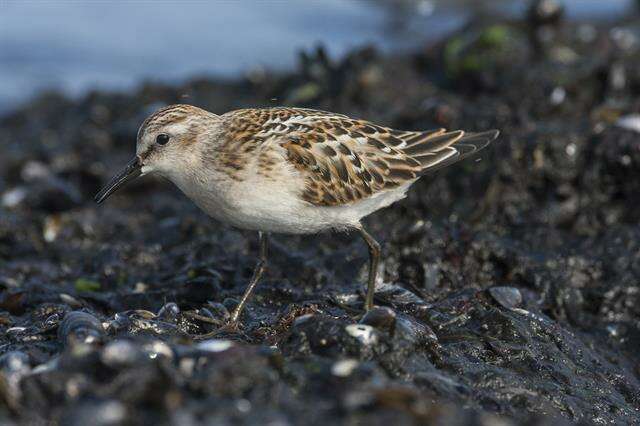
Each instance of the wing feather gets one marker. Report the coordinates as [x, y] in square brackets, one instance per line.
[344, 160]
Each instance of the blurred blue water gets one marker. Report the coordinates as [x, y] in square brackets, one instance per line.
[75, 46]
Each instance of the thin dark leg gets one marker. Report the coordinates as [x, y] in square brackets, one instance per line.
[374, 258]
[261, 266]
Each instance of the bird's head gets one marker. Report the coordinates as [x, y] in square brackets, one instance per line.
[169, 143]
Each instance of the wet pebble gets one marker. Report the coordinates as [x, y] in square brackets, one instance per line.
[169, 312]
[121, 353]
[46, 191]
[618, 331]
[148, 321]
[413, 331]
[50, 365]
[382, 318]
[215, 345]
[398, 296]
[153, 326]
[14, 366]
[344, 368]
[13, 197]
[80, 327]
[302, 319]
[14, 362]
[630, 122]
[14, 331]
[218, 311]
[119, 323]
[52, 321]
[158, 349]
[365, 334]
[70, 300]
[558, 95]
[507, 297]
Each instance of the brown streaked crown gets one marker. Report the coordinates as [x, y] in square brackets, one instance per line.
[169, 115]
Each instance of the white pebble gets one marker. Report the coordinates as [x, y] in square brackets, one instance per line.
[13, 197]
[344, 368]
[629, 122]
[215, 345]
[364, 333]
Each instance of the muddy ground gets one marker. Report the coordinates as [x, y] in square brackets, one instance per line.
[511, 282]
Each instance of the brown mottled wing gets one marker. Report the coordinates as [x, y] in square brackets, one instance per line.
[345, 160]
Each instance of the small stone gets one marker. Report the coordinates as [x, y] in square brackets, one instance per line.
[51, 322]
[158, 349]
[398, 296]
[215, 345]
[119, 323]
[508, 297]
[51, 228]
[14, 362]
[140, 287]
[70, 300]
[169, 312]
[344, 368]
[413, 331]
[80, 327]
[558, 95]
[14, 366]
[302, 319]
[382, 318]
[13, 197]
[50, 365]
[629, 122]
[11, 331]
[364, 333]
[119, 353]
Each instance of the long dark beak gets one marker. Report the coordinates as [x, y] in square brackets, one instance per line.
[129, 173]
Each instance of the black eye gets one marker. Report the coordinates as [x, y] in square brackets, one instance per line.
[162, 139]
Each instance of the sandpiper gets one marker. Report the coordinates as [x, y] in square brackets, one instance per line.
[290, 170]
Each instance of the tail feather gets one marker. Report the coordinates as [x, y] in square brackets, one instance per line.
[443, 149]
[433, 143]
[417, 138]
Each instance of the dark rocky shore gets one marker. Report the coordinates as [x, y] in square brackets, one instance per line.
[512, 282]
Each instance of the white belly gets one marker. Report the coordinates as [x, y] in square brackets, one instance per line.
[274, 205]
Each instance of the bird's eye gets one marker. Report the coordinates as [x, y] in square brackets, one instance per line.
[162, 139]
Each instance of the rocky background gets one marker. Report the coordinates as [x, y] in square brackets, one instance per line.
[511, 282]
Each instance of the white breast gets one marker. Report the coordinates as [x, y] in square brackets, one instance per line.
[273, 203]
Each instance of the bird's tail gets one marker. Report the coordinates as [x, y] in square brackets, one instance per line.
[437, 149]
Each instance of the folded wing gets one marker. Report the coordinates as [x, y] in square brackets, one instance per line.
[345, 160]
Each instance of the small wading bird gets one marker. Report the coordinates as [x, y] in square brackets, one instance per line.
[290, 170]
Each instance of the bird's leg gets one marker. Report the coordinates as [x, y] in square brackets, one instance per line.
[374, 258]
[259, 269]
